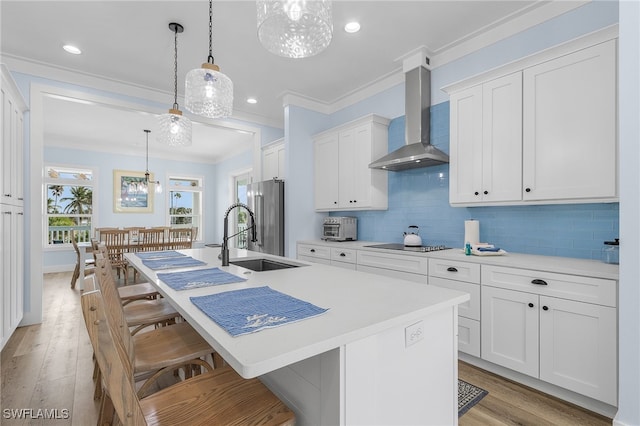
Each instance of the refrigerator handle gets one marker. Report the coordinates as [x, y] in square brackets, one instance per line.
[259, 198]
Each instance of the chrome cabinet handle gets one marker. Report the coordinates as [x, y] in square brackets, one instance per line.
[539, 282]
[452, 269]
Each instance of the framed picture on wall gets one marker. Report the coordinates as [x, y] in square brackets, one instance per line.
[130, 194]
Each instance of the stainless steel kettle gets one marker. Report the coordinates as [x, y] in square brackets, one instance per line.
[411, 237]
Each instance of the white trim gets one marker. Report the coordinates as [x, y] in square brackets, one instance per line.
[486, 37]
[582, 42]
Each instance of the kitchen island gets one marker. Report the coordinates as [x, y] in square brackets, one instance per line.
[385, 352]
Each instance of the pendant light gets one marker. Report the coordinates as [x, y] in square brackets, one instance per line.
[208, 92]
[295, 28]
[175, 129]
[143, 187]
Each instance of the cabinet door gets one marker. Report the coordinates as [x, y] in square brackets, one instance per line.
[326, 173]
[270, 163]
[570, 143]
[6, 214]
[578, 347]
[502, 139]
[465, 180]
[17, 268]
[509, 329]
[347, 170]
[362, 183]
[6, 148]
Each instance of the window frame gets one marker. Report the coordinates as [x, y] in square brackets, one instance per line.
[49, 181]
[199, 188]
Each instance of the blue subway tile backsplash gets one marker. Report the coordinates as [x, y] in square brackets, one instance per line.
[421, 197]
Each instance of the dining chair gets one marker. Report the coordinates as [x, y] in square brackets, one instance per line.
[131, 292]
[89, 264]
[151, 239]
[117, 242]
[180, 238]
[216, 397]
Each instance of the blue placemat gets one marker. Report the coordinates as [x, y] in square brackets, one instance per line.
[199, 278]
[159, 254]
[252, 309]
[172, 262]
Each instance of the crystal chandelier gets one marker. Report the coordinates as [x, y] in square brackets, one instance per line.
[294, 28]
[208, 92]
[136, 187]
[175, 130]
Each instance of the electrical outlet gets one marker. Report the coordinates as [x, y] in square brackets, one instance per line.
[413, 334]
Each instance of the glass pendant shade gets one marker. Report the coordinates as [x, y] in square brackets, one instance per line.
[208, 92]
[295, 28]
[175, 129]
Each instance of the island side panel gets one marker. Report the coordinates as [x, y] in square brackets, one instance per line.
[312, 388]
[388, 382]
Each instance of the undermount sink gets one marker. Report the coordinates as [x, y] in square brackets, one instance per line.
[263, 264]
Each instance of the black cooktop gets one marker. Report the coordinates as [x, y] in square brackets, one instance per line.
[398, 246]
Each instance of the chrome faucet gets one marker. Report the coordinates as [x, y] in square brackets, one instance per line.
[224, 252]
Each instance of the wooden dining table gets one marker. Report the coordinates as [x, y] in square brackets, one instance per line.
[346, 365]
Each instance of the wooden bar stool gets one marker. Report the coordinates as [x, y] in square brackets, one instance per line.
[218, 397]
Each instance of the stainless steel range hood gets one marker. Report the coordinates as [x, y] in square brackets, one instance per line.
[417, 151]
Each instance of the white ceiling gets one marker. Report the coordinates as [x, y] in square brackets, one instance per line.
[130, 42]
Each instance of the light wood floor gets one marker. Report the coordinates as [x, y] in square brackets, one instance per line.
[49, 366]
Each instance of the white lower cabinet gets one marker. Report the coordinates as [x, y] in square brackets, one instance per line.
[11, 269]
[410, 268]
[334, 256]
[568, 343]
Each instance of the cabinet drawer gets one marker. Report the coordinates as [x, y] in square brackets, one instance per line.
[469, 336]
[315, 260]
[402, 263]
[459, 271]
[571, 287]
[309, 250]
[416, 278]
[469, 309]
[343, 255]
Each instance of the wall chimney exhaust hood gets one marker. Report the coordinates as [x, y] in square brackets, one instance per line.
[417, 151]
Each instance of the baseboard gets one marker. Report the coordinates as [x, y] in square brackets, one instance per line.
[564, 394]
[58, 268]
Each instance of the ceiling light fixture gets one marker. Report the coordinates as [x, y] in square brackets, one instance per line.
[137, 187]
[175, 129]
[72, 49]
[352, 27]
[295, 28]
[208, 92]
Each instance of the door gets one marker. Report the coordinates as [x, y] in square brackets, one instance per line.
[326, 172]
[509, 329]
[578, 347]
[570, 122]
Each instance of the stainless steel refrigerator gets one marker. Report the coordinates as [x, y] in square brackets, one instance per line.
[266, 200]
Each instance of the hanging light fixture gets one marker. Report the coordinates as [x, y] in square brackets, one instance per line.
[143, 187]
[295, 28]
[208, 92]
[175, 129]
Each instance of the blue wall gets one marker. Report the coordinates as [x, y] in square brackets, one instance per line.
[421, 197]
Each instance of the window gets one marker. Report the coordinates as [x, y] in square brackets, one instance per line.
[69, 207]
[239, 219]
[185, 204]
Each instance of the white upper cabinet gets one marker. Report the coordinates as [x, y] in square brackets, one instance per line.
[543, 134]
[486, 142]
[343, 179]
[570, 121]
[273, 160]
[12, 109]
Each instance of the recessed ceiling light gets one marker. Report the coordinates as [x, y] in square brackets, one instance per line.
[72, 49]
[252, 101]
[352, 27]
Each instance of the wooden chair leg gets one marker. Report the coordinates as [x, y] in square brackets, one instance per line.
[107, 411]
[75, 276]
[97, 392]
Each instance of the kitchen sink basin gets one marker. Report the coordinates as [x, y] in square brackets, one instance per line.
[263, 264]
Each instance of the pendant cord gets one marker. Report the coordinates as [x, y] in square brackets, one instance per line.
[175, 70]
[210, 58]
[147, 163]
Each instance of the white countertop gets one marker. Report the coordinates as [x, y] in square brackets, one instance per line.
[360, 305]
[562, 265]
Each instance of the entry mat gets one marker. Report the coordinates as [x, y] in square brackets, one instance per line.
[468, 396]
